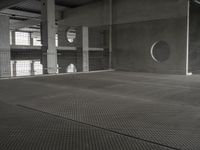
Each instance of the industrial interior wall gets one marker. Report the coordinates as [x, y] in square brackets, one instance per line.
[140, 24]
[194, 46]
[95, 16]
[4, 47]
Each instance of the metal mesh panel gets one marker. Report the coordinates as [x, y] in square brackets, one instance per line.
[4, 63]
[22, 38]
[26, 68]
[26, 43]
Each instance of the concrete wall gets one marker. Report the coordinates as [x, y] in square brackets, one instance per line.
[4, 47]
[127, 11]
[96, 17]
[139, 24]
[98, 38]
[95, 14]
[194, 51]
[132, 45]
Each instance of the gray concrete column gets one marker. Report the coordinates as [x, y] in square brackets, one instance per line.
[85, 46]
[13, 37]
[32, 68]
[188, 39]
[110, 33]
[79, 52]
[5, 69]
[14, 66]
[48, 32]
[31, 39]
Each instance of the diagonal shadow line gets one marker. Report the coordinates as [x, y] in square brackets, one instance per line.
[105, 129]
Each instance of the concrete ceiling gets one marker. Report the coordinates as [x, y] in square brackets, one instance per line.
[27, 13]
[8, 3]
[74, 3]
[32, 8]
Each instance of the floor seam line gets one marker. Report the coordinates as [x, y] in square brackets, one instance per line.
[105, 129]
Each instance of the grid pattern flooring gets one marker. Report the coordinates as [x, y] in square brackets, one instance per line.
[135, 110]
[23, 129]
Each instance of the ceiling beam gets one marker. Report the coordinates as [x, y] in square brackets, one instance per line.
[9, 3]
[24, 24]
[21, 13]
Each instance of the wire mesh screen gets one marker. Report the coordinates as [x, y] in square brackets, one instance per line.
[5, 63]
[22, 38]
[75, 49]
[26, 68]
[99, 48]
[26, 54]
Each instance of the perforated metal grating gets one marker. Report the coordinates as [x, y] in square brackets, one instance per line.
[153, 108]
[23, 129]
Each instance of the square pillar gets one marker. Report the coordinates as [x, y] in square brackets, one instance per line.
[31, 39]
[82, 49]
[85, 48]
[48, 32]
[5, 68]
[13, 37]
[14, 65]
[110, 32]
[32, 68]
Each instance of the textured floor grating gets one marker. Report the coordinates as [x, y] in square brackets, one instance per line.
[159, 108]
[22, 129]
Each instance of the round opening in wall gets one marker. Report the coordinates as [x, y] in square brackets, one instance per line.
[71, 34]
[71, 68]
[160, 51]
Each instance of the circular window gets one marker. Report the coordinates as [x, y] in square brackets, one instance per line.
[71, 34]
[160, 51]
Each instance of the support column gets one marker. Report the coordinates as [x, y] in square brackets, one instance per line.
[13, 38]
[31, 39]
[85, 45]
[14, 65]
[188, 40]
[48, 32]
[5, 69]
[32, 68]
[110, 34]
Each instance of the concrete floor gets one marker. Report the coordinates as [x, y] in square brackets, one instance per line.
[101, 111]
